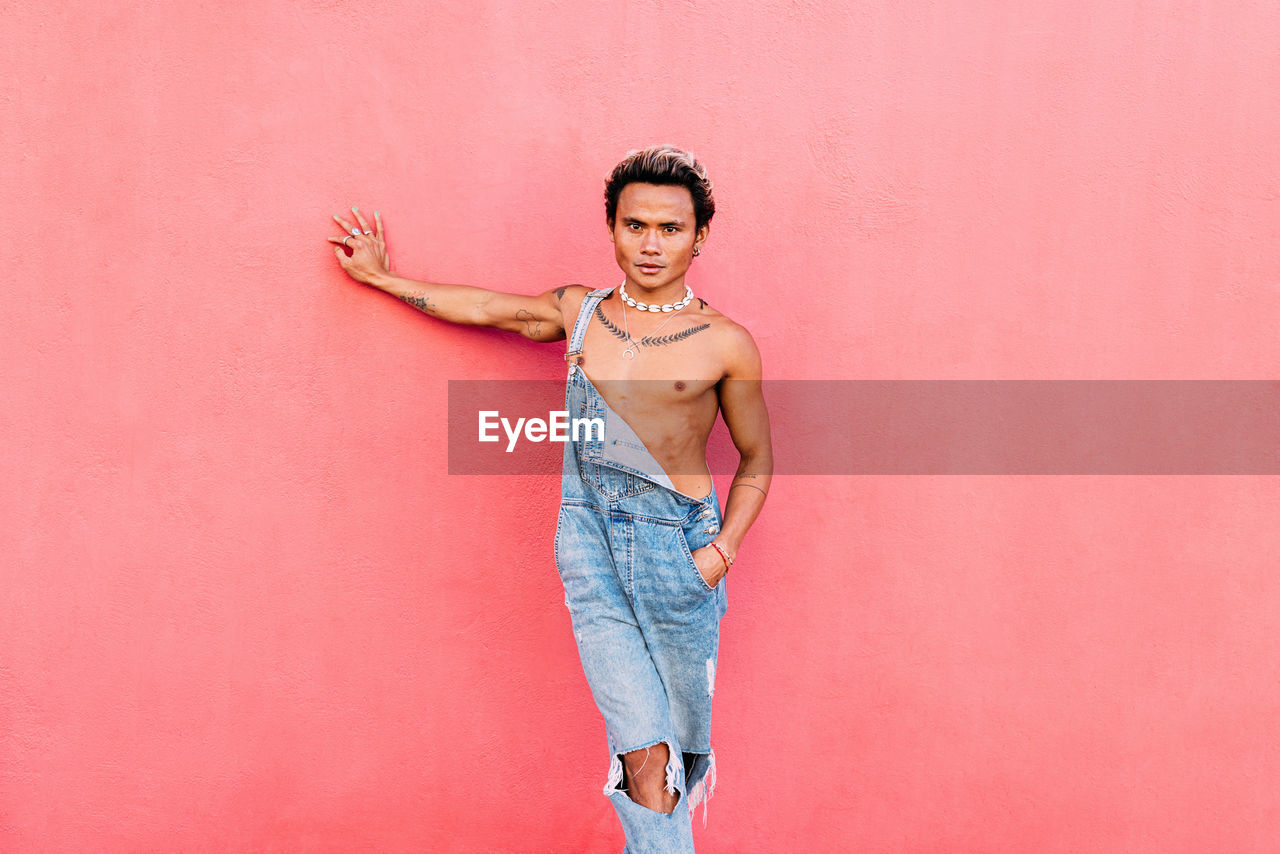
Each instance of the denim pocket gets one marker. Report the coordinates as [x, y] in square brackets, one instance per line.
[613, 483]
[690, 564]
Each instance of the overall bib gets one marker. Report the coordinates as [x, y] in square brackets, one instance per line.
[647, 625]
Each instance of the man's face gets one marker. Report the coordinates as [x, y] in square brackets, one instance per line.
[653, 234]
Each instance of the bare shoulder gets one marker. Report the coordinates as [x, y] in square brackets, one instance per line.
[736, 346]
[570, 296]
[569, 299]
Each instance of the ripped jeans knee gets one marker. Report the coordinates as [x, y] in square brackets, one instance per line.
[698, 767]
[619, 779]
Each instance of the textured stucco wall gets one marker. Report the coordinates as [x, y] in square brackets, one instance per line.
[246, 609]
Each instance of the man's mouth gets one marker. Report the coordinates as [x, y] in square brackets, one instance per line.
[650, 268]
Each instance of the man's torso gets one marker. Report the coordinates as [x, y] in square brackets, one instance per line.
[667, 391]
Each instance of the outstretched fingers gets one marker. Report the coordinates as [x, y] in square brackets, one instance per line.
[368, 251]
[364, 226]
[364, 229]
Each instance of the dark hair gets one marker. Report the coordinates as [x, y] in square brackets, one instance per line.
[662, 165]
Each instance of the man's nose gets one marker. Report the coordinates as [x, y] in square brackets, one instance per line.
[651, 245]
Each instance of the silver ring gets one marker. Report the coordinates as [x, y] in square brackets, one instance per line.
[355, 232]
[345, 239]
[368, 232]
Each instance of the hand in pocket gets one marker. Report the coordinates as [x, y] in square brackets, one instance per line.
[710, 565]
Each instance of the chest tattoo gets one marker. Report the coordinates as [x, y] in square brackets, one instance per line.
[608, 324]
[648, 340]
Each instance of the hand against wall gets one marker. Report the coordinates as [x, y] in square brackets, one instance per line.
[368, 258]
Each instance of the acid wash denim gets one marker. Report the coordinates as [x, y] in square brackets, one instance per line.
[646, 623]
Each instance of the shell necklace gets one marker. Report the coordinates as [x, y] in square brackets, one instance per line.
[644, 306]
[630, 351]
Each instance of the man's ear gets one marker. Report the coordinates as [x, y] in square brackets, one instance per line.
[611, 240]
[701, 236]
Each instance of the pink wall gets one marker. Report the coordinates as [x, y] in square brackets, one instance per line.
[246, 609]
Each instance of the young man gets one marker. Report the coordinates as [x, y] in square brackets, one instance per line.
[641, 545]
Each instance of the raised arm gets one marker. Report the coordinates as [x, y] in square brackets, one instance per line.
[536, 317]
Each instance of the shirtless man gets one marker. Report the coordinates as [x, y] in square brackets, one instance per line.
[641, 545]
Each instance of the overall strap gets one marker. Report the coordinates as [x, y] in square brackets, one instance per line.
[584, 317]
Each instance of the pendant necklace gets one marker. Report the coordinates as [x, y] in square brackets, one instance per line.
[630, 351]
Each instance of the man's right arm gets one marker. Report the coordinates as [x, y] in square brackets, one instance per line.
[537, 317]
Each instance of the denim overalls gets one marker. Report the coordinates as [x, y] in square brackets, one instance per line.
[647, 625]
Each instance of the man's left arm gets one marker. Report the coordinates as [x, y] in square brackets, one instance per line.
[742, 406]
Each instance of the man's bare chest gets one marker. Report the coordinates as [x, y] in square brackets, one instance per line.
[677, 351]
[671, 362]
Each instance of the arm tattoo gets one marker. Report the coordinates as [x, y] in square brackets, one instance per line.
[532, 328]
[608, 324]
[560, 292]
[420, 301]
[704, 302]
[752, 486]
